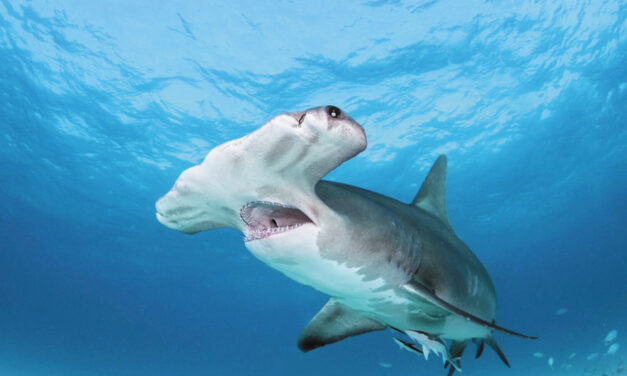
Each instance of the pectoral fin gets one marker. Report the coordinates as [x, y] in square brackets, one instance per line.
[333, 323]
[427, 294]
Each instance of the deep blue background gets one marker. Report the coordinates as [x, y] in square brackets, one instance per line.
[103, 105]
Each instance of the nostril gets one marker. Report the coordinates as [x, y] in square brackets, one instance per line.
[333, 111]
[299, 117]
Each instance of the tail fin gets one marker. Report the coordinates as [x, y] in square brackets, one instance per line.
[457, 349]
[492, 343]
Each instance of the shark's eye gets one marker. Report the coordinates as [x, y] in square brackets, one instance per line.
[333, 111]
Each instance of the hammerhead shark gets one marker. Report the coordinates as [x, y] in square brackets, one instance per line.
[384, 263]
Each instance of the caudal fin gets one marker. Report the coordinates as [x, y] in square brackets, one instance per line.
[492, 343]
[457, 348]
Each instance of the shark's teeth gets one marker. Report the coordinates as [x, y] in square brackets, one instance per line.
[266, 232]
[259, 220]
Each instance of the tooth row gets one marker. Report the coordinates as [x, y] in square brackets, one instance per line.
[261, 233]
[277, 229]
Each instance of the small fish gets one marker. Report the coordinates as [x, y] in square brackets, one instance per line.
[611, 336]
[538, 355]
[613, 349]
[561, 311]
[592, 356]
[551, 361]
[404, 345]
[385, 364]
[572, 355]
[567, 366]
[431, 343]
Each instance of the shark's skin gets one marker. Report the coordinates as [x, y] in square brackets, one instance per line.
[383, 262]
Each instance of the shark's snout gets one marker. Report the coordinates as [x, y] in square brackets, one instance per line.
[174, 212]
[168, 210]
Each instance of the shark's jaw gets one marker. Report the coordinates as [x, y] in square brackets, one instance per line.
[263, 219]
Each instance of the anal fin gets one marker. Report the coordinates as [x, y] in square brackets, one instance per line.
[333, 323]
[480, 346]
[456, 350]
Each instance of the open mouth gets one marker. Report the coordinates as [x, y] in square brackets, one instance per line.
[263, 219]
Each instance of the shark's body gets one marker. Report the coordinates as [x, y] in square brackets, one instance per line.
[367, 252]
[383, 262]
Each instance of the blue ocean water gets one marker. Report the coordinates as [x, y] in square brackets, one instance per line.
[103, 104]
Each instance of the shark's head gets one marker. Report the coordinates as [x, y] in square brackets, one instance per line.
[263, 183]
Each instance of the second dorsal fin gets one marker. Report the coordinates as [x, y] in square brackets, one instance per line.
[432, 194]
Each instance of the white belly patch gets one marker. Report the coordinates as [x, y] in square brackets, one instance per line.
[296, 255]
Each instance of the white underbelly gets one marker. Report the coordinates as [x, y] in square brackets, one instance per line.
[296, 255]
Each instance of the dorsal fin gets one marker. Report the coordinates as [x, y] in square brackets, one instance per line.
[432, 194]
